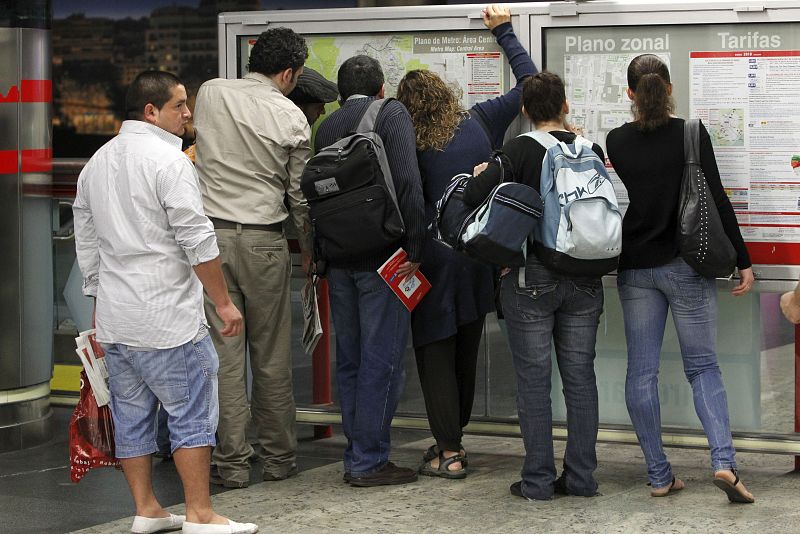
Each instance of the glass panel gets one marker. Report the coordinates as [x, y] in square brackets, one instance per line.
[755, 347]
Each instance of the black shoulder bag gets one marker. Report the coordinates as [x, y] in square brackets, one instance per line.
[701, 236]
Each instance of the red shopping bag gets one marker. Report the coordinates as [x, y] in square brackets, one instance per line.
[91, 435]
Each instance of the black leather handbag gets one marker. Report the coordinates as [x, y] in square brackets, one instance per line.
[701, 236]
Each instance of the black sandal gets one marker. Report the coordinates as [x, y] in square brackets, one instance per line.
[443, 471]
[433, 452]
[734, 495]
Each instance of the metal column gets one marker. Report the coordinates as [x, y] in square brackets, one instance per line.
[26, 265]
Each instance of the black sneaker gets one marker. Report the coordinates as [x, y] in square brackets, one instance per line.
[560, 486]
[346, 477]
[516, 491]
[389, 475]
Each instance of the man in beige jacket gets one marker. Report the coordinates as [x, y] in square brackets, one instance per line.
[252, 145]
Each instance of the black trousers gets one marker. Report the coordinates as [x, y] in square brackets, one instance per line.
[447, 375]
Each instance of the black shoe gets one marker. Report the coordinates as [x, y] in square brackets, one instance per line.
[560, 486]
[271, 477]
[389, 475]
[516, 491]
[346, 477]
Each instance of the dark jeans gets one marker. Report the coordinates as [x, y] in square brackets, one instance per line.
[547, 308]
[447, 376]
[371, 327]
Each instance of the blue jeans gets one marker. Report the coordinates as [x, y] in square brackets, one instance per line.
[183, 379]
[371, 327]
[647, 295]
[545, 309]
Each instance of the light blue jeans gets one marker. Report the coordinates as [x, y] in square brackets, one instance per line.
[183, 379]
[647, 295]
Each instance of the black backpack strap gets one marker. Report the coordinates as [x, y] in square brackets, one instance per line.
[367, 122]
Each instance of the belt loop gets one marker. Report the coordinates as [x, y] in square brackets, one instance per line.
[238, 228]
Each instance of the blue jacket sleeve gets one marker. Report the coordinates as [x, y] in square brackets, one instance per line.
[498, 113]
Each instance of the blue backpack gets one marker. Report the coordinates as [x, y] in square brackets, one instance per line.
[580, 232]
[496, 232]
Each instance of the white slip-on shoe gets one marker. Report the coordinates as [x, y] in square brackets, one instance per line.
[150, 525]
[231, 528]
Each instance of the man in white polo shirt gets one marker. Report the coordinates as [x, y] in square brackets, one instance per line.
[146, 251]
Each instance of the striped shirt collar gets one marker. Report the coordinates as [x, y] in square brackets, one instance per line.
[142, 127]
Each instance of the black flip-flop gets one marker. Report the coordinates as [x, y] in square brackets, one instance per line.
[672, 489]
[734, 495]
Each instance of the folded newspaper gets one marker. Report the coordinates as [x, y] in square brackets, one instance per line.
[312, 327]
[94, 363]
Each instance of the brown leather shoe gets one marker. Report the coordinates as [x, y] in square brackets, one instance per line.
[389, 475]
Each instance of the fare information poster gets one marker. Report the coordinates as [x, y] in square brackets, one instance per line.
[750, 103]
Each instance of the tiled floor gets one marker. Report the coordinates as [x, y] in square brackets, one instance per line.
[36, 495]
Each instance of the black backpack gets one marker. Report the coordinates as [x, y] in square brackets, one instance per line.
[351, 195]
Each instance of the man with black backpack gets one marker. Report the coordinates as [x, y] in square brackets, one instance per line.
[371, 323]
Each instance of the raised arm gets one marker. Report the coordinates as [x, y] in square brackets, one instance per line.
[498, 113]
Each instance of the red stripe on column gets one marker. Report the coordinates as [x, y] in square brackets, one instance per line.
[37, 160]
[9, 162]
[12, 96]
[37, 91]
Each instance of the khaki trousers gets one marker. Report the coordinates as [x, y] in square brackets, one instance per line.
[257, 266]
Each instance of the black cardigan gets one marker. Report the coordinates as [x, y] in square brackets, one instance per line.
[650, 164]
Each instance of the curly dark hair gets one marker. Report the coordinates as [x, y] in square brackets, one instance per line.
[434, 108]
[276, 50]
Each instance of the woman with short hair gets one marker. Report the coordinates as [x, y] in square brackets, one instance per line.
[547, 307]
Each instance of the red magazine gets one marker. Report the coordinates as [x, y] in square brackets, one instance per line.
[410, 291]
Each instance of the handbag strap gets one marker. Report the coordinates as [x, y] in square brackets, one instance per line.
[691, 141]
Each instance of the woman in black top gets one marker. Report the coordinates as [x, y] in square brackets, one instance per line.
[545, 307]
[648, 156]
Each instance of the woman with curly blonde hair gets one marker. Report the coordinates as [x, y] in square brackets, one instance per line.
[448, 323]
[435, 109]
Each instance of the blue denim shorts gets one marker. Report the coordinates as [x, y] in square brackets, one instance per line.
[183, 379]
